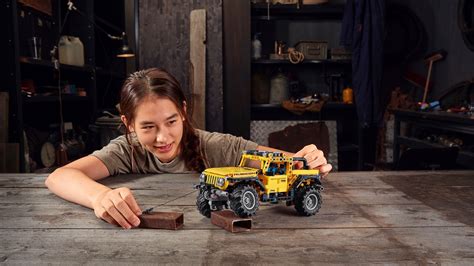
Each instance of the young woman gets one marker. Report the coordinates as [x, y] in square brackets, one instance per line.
[159, 139]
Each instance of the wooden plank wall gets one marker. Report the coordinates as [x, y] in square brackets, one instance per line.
[164, 42]
[197, 66]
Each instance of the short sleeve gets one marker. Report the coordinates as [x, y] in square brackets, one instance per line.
[116, 156]
[223, 149]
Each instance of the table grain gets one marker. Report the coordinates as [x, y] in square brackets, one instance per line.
[366, 217]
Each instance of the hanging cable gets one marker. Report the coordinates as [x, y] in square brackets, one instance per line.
[57, 67]
[55, 58]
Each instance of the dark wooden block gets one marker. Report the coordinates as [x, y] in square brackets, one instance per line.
[230, 221]
[162, 220]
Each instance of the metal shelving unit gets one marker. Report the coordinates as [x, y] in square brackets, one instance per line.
[21, 22]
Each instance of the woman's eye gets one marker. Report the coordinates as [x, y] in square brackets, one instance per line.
[172, 122]
[147, 127]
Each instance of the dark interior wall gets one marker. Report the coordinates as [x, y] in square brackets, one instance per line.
[130, 29]
[440, 20]
[163, 41]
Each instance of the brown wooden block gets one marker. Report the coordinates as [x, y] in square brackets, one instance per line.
[162, 220]
[230, 221]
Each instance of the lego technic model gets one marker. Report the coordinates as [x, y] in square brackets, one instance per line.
[261, 176]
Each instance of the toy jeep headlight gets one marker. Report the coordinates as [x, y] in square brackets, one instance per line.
[202, 178]
[220, 182]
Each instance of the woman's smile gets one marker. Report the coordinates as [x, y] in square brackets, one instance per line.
[159, 127]
[164, 148]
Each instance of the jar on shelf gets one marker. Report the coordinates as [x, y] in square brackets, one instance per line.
[256, 47]
[279, 88]
[348, 95]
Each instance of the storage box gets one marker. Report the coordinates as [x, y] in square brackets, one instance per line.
[340, 53]
[313, 50]
[40, 5]
[4, 117]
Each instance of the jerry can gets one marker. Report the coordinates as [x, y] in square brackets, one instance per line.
[71, 51]
[78, 48]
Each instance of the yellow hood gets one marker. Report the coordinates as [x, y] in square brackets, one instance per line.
[231, 171]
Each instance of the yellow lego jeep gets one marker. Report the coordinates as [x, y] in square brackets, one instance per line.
[261, 176]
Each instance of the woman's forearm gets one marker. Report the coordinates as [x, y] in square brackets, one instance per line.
[73, 185]
[265, 148]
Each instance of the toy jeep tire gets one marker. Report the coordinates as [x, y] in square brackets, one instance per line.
[202, 203]
[308, 201]
[244, 200]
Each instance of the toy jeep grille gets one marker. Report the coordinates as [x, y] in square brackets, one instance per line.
[211, 180]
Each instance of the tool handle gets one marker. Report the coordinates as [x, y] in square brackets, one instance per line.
[427, 82]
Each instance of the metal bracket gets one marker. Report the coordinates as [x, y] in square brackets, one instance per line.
[161, 220]
[230, 221]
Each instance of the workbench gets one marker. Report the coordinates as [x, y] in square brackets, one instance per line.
[366, 217]
[438, 121]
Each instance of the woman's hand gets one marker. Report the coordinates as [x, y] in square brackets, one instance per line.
[117, 206]
[315, 159]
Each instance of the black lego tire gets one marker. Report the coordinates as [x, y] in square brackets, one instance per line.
[203, 204]
[244, 200]
[308, 201]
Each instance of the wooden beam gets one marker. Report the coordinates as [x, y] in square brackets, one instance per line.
[236, 36]
[197, 55]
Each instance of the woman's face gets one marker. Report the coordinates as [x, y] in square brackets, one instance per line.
[159, 127]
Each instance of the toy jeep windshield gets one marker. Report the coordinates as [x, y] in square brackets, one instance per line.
[261, 176]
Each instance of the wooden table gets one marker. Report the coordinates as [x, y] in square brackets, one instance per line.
[366, 217]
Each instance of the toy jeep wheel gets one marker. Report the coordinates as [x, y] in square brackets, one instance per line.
[202, 203]
[308, 201]
[244, 200]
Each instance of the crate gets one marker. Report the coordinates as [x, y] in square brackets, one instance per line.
[313, 50]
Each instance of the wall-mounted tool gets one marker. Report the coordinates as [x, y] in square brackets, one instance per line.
[430, 59]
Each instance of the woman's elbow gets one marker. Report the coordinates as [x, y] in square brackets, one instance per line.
[52, 179]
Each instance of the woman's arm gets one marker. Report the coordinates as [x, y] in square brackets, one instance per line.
[76, 182]
[314, 157]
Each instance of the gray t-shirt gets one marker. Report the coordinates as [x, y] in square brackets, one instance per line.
[219, 149]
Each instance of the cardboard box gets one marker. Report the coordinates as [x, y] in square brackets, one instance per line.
[4, 117]
[9, 158]
[40, 5]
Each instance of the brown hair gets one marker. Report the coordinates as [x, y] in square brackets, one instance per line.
[158, 82]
